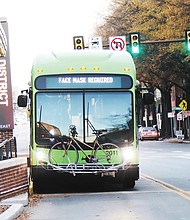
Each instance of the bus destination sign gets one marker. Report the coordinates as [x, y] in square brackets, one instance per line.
[83, 81]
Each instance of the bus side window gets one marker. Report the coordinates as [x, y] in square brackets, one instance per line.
[22, 101]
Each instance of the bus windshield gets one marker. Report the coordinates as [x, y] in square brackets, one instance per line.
[87, 110]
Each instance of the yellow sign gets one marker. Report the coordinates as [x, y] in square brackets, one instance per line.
[78, 42]
[183, 105]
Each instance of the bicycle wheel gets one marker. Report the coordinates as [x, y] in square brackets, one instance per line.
[108, 153]
[61, 155]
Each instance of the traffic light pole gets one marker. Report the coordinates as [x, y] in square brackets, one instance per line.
[163, 41]
[154, 42]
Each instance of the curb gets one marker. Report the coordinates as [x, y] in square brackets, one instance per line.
[12, 212]
[16, 208]
[176, 140]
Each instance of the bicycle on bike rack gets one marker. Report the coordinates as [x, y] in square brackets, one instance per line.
[69, 155]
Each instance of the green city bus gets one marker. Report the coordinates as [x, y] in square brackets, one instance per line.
[85, 95]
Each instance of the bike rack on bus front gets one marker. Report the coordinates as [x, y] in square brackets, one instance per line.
[87, 168]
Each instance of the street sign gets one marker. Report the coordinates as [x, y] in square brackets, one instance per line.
[117, 43]
[177, 108]
[179, 116]
[6, 107]
[95, 43]
[170, 114]
[186, 114]
[183, 105]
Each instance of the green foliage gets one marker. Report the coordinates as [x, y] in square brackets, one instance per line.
[161, 65]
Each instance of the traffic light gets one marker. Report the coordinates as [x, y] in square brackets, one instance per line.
[134, 41]
[78, 42]
[187, 40]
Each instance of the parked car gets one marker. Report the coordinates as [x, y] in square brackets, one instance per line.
[148, 133]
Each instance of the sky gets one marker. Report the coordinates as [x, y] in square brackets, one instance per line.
[37, 26]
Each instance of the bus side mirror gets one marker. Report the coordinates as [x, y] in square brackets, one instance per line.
[148, 98]
[22, 101]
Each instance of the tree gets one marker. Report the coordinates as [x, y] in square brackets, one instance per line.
[160, 65]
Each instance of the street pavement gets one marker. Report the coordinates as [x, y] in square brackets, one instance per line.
[17, 203]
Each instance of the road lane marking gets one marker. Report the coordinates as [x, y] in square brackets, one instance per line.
[177, 151]
[183, 193]
[183, 157]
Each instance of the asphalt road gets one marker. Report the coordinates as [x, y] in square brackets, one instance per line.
[166, 161]
[163, 191]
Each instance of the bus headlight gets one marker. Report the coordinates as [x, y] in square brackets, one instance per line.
[41, 157]
[128, 154]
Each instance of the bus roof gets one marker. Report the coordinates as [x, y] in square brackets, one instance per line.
[84, 61]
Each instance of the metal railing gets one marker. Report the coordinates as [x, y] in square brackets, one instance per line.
[8, 149]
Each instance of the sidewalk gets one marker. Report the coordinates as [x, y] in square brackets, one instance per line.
[177, 140]
[16, 206]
